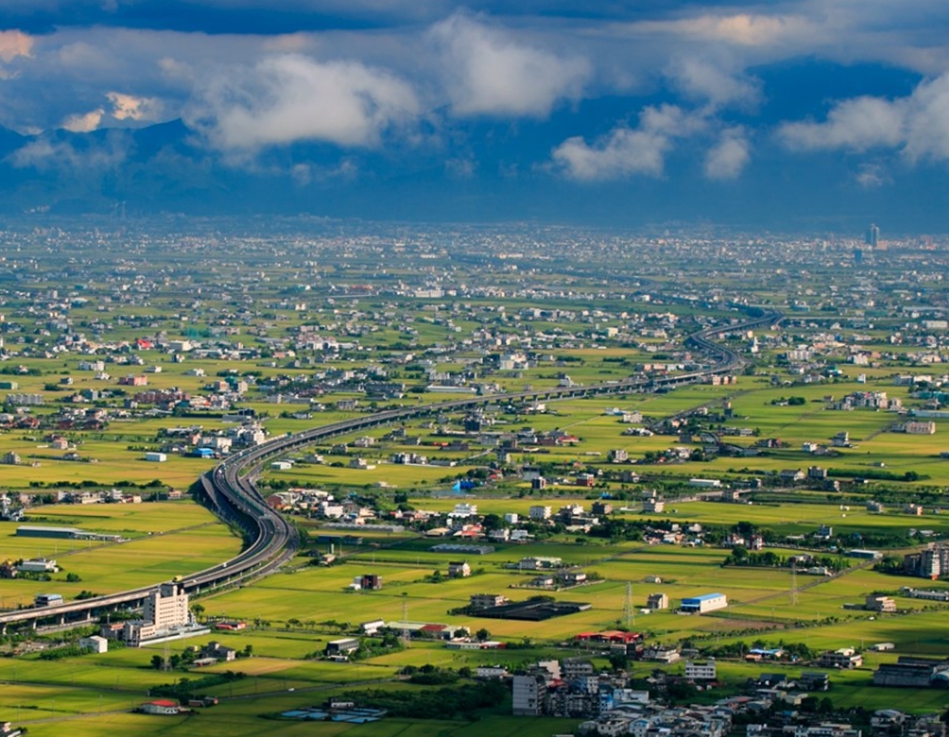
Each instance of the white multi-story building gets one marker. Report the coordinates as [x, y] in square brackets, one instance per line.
[464, 510]
[539, 512]
[165, 612]
[528, 696]
[167, 606]
[700, 671]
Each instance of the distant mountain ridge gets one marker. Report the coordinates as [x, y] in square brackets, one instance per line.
[499, 172]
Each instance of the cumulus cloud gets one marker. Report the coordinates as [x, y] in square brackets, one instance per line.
[626, 151]
[742, 29]
[14, 44]
[83, 122]
[462, 168]
[127, 108]
[48, 153]
[872, 176]
[130, 107]
[728, 158]
[487, 72]
[288, 98]
[927, 120]
[917, 125]
[857, 124]
[705, 80]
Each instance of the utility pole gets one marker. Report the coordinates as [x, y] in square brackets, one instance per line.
[630, 614]
[793, 582]
[405, 620]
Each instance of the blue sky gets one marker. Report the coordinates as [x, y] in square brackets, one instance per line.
[588, 95]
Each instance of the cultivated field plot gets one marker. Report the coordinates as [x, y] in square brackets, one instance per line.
[797, 519]
[761, 596]
[241, 718]
[164, 540]
[106, 462]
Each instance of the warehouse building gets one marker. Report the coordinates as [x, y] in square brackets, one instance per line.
[63, 533]
[704, 603]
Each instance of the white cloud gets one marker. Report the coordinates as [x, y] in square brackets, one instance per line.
[122, 108]
[83, 122]
[728, 158]
[461, 168]
[741, 29]
[917, 125]
[130, 107]
[872, 176]
[857, 124]
[703, 79]
[301, 174]
[927, 120]
[14, 44]
[626, 151]
[46, 153]
[487, 72]
[288, 98]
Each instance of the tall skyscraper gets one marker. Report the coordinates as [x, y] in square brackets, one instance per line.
[872, 238]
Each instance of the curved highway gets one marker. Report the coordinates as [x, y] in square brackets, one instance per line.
[232, 494]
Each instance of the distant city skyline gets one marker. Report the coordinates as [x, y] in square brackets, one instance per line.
[796, 115]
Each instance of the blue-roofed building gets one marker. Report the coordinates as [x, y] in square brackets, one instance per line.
[204, 452]
[704, 603]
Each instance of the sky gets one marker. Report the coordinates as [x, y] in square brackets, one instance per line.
[560, 105]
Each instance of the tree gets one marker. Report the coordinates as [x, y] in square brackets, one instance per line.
[482, 635]
[492, 522]
[198, 610]
[73, 577]
[158, 662]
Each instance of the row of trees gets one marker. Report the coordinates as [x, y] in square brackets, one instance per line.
[768, 559]
[462, 702]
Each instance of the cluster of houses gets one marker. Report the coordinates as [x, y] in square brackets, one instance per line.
[463, 521]
[13, 507]
[454, 637]
[618, 711]
[883, 723]
[320, 504]
[573, 688]
[33, 566]
[243, 432]
[877, 400]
